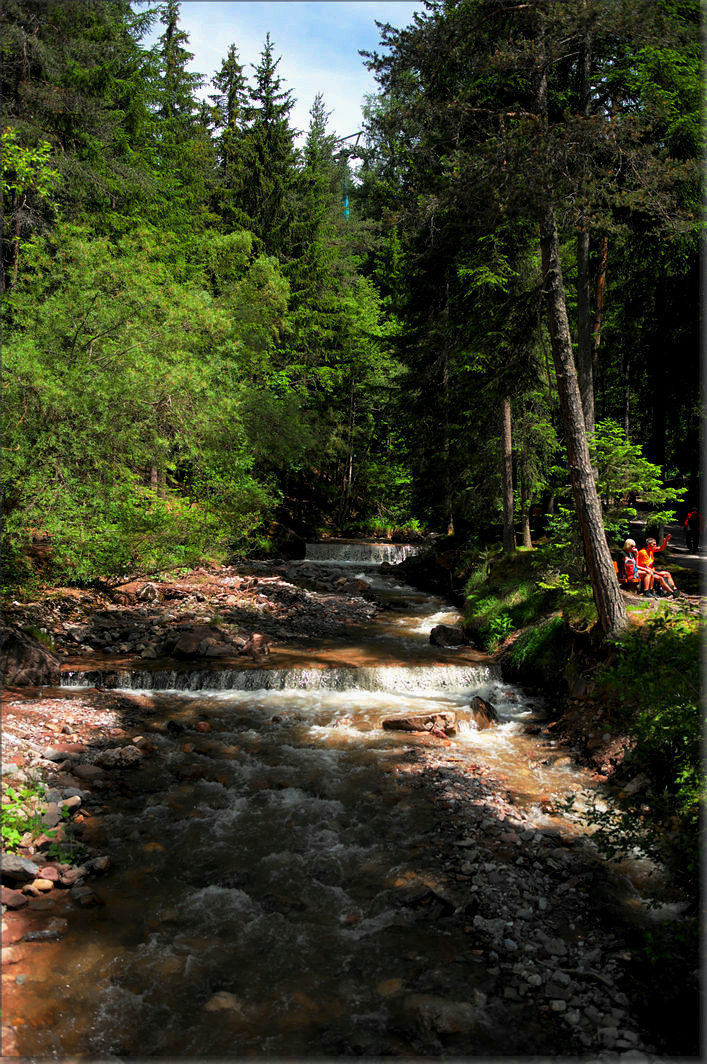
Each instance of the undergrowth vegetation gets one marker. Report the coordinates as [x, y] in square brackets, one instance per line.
[508, 592]
[649, 683]
[653, 685]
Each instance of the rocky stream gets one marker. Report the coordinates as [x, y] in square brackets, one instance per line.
[298, 826]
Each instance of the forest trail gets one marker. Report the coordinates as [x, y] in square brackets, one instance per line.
[288, 879]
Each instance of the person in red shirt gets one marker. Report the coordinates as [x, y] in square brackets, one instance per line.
[645, 559]
[693, 529]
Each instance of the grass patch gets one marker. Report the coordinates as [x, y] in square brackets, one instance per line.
[505, 593]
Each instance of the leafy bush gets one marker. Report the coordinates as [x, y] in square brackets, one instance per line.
[653, 682]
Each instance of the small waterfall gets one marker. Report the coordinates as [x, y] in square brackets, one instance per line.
[339, 551]
[392, 678]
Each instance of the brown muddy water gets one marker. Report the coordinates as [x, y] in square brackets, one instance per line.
[295, 882]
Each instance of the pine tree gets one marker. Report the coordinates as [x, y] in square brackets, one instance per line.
[178, 85]
[267, 177]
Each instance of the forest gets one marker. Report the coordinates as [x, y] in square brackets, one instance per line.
[210, 332]
[253, 378]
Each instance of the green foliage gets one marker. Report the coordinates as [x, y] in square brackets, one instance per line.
[624, 472]
[27, 168]
[22, 815]
[131, 399]
[21, 819]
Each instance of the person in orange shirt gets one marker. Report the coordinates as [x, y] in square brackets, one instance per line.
[632, 568]
[645, 559]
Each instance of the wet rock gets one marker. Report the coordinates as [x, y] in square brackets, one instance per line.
[446, 635]
[18, 869]
[120, 757]
[218, 650]
[84, 896]
[53, 931]
[62, 751]
[187, 645]
[72, 802]
[98, 864]
[49, 872]
[483, 714]
[13, 899]
[444, 720]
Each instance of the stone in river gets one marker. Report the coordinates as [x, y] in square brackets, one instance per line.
[87, 772]
[443, 720]
[445, 635]
[483, 714]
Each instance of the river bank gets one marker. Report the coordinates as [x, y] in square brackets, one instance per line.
[469, 910]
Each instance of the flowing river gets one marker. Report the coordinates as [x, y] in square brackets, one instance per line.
[290, 880]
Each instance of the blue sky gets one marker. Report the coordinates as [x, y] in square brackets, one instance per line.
[318, 42]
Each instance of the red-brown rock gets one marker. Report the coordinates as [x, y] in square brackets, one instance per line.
[444, 721]
[14, 899]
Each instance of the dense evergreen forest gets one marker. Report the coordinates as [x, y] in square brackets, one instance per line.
[483, 317]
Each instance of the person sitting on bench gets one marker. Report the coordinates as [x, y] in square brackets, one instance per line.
[662, 577]
[627, 569]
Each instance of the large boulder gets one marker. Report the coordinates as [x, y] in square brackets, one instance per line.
[288, 543]
[25, 661]
[483, 714]
[442, 721]
[445, 635]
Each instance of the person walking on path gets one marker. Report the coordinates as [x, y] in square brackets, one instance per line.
[693, 529]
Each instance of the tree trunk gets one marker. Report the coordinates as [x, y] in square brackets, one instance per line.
[348, 472]
[607, 596]
[585, 360]
[605, 586]
[599, 297]
[525, 498]
[446, 437]
[585, 366]
[509, 542]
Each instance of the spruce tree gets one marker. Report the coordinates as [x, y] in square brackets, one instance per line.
[266, 187]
